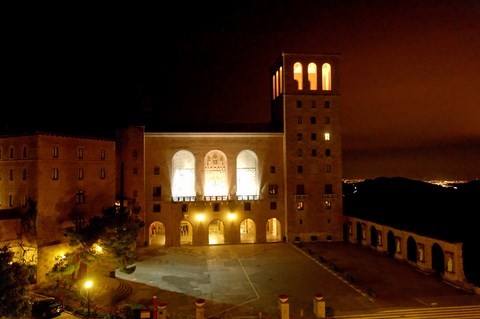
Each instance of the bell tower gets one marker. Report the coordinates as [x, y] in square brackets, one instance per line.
[306, 108]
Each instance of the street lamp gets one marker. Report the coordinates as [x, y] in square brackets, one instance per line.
[88, 285]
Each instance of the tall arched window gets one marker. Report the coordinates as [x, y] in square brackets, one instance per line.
[247, 173]
[298, 74]
[216, 181]
[280, 80]
[326, 77]
[183, 170]
[312, 76]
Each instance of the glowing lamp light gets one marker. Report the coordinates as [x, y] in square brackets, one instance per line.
[231, 216]
[200, 217]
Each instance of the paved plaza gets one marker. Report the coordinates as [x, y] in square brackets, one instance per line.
[247, 279]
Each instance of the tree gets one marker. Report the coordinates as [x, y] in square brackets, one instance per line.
[14, 284]
[108, 239]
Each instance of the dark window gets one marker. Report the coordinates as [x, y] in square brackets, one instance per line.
[102, 154]
[12, 152]
[300, 169]
[135, 171]
[327, 152]
[102, 173]
[216, 207]
[184, 208]
[273, 205]
[327, 104]
[300, 152]
[299, 120]
[299, 136]
[314, 104]
[80, 197]
[272, 169]
[24, 152]
[328, 168]
[80, 173]
[80, 153]
[157, 191]
[157, 208]
[313, 120]
[11, 174]
[156, 170]
[327, 120]
[247, 206]
[314, 136]
[299, 104]
[314, 152]
[328, 189]
[135, 154]
[300, 189]
[24, 174]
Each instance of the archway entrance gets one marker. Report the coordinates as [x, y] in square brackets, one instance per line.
[274, 230]
[157, 234]
[216, 230]
[186, 233]
[247, 231]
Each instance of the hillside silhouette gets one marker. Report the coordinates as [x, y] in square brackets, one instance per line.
[446, 213]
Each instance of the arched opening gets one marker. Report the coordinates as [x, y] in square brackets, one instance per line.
[274, 233]
[359, 232]
[216, 230]
[312, 76]
[186, 233]
[298, 75]
[216, 181]
[373, 237]
[247, 168]
[157, 234]
[247, 231]
[412, 250]
[391, 244]
[183, 174]
[438, 259]
[326, 77]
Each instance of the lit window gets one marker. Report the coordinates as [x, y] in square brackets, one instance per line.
[80, 153]
[183, 164]
[312, 76]
[328, 204]
[326, 77]
[55, 174]
[55, 152]
[216, 181]
[247, 173]
[327, 136]
[300, 205]
[298, 75]
[272, 189]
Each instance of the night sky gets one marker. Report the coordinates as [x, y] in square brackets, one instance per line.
[410, 72]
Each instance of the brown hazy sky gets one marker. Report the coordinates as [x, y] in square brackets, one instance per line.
[410, 71]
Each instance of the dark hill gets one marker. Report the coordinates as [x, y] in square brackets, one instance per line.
[446, 213]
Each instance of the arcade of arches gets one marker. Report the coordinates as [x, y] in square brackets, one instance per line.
[216, 229]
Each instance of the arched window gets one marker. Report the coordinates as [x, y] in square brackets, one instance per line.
[183, 170]
[216, 182]
[247, 173]
[312, 76]
[298, 74]
[280, 80]
[326, 77]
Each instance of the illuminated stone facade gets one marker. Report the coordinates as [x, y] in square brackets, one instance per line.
[67, 177]
[214, 188]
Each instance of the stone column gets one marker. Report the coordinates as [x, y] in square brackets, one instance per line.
[200, 308]
[284, 306]
[319, 306]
